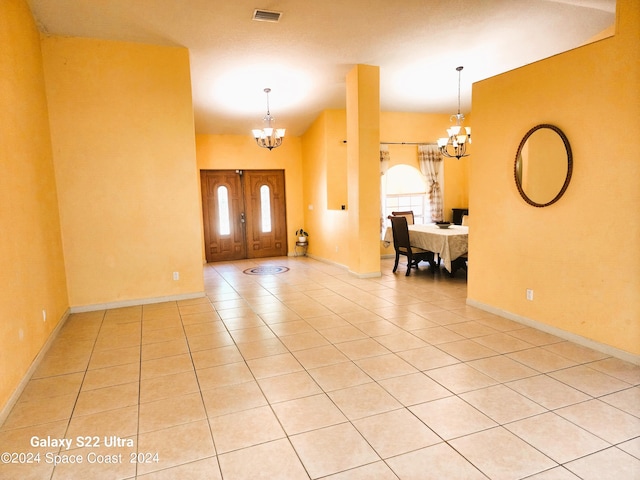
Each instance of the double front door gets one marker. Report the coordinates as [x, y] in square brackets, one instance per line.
[244, 214]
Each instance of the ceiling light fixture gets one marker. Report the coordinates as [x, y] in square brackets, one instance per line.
[269, 137]
[455, 144]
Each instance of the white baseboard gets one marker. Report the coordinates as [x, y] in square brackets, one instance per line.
[558, 332]
[328, 262]
[366, 275]
[346, 269]
[6, 409]
[133, 303]
[13, 399]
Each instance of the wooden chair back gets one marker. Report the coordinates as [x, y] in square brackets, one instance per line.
[407, 214]
[400, 230]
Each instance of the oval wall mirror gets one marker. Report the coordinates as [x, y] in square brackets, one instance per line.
[543, 165]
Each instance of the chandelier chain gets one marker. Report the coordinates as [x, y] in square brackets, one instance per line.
[269, 136]
[454, 145]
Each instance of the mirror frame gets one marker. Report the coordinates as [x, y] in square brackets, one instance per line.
[567, 147]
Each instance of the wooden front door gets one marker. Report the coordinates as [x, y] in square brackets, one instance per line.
[244, 214]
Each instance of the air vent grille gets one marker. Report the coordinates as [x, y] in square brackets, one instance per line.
[266, 16]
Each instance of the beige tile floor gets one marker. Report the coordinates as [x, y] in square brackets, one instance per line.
[313, 373]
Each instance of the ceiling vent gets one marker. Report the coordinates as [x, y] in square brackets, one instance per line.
[266, 16]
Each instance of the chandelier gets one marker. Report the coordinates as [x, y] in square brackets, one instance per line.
[455, 144]
[269, 137]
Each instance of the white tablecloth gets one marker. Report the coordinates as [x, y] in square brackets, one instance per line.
[450, 243]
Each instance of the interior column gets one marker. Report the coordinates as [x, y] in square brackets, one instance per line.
[363, 169]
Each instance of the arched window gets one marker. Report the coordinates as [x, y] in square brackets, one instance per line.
[265, 208]
[224, 226]
[406, 189]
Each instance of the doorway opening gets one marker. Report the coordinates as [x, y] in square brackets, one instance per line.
[244, 214]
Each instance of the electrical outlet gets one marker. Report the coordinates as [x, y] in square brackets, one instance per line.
[529, 294]
[176, 275]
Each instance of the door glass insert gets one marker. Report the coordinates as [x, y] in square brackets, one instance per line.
[224, 226]
[265, 208]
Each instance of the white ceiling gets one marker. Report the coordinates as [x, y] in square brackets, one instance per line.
[305, 57]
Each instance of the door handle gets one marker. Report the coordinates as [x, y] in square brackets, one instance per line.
[242, 217]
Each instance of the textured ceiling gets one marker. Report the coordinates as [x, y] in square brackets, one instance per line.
[305, 57]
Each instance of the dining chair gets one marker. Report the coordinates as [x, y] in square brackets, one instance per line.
[459, 263]
[402, 246]
[408, 215]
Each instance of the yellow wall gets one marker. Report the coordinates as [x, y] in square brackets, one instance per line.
[581, 255]
[124, 152]
[363, 169]
[333, 148]
[325, 162]
[31, 261]
[240, 152]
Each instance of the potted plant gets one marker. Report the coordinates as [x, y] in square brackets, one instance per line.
[302, 235]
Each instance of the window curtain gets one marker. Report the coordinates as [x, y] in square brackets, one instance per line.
[385, 159]
[430, 161]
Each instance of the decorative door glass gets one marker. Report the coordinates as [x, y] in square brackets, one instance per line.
[265, 208]
[224, 227]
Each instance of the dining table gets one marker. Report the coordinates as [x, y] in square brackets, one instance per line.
[449, 243]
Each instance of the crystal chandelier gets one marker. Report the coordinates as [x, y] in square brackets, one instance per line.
[455, 144]
[269, 137]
